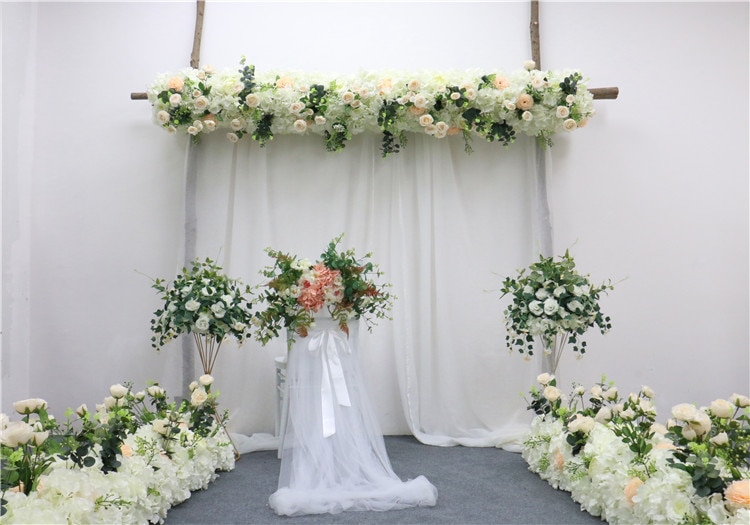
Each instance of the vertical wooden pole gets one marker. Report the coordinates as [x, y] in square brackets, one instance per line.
[536, 54]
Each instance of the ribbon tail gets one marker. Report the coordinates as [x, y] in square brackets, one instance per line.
[326, 403]
[337, 373]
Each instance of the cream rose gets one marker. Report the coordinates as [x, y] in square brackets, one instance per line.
[237, 124]
[17, 433]
[528, 65]
[27, 406]
[320, 120]
[192, 305]
[425, 120]
[162, 117]
[722, 408]
[347, 97]
[82, 410]
[198, 397]
[509, 105]
[160, 426]
[206, 379]
[550, 306]
[200, 103]
[701, 423]
[175, 100]
[155, 391]
[232, 137]
[544, 379]
[252, 100]
[740, 401]
[684, 412]
[535, 307]
[175, 83]
[611, 393]
[581, 423]
[569, 124]
[118, 391]
[551, 393]
[300, 126]
[414, 85]
[202, 324]
[720, 439]
[39, 437]
[562, 112]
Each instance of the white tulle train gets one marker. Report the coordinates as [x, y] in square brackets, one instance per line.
[333, 456]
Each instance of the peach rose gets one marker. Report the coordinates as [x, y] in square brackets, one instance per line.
[175, 83]
[425, 120]
[126, 450]
[385, 86]
[500, 83]
[524, 101]
[631, 489]
[284, 82]
[559, 460]
[738, 493]
[569, 124]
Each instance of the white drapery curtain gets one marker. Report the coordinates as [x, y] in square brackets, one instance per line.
[444, 226]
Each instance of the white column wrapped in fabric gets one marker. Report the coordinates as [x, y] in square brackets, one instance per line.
[333, 456]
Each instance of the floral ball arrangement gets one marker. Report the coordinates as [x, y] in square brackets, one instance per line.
[552, 302]
[339, 285]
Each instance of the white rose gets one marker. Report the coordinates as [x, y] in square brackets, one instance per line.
[740, 401]
[541, 294]
[684, 412]
[689, 434]
[570, 99]
[701, 423]
[581, 424]
[110, 402]
[551, 393]
[545, 378]
[206, 379]
[611, 393]
[192, 305]
[535, 307]
[162, 117]
[160, 426]
[722, 408]
[155, 391]
[320, 120]
[509, 105]
[658, 428]
[347, 97]
[16, 433]
[300, 126]
[252, 100]
[562, 112]
[603, 415]
[198, 397]
[82, 410]
[296, 107]
[218, 310]
[239, 327]
[527, 116]
[569, 124]
[627, 414]
[27, 406]
[202, 324]
[210, 124]
[577, 291]
[550, 306]
[39, 437]
[575, 306]
[648, 392]
[140, 396]
[414, 85]
[528, 65]
[596, 392]
[231, 137]
[579, 390]
[559, 291]
[118, 391]
[720, 439]
[237, 124]
[175, 99]
[420, 101]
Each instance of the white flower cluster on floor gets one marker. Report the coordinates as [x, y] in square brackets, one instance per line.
[622, 466]
[490, 104]
[65, 475]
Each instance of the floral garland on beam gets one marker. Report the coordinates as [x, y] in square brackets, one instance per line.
[491, 104]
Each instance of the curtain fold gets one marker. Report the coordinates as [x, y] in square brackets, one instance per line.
[445, 228]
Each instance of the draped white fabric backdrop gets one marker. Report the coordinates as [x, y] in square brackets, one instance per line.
[652, 190]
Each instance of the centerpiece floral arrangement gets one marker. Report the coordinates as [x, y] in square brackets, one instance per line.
[619, 463]
[555, 304]
[491, 104]
[339, 284]
[204, 302]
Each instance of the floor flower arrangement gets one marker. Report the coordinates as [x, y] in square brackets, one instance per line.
[129, 461]
[615, 460]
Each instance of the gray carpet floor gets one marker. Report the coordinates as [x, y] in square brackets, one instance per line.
[476, 486]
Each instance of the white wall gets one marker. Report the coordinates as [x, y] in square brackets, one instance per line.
[654, 190]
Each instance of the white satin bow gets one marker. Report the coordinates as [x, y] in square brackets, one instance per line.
[328, 343]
